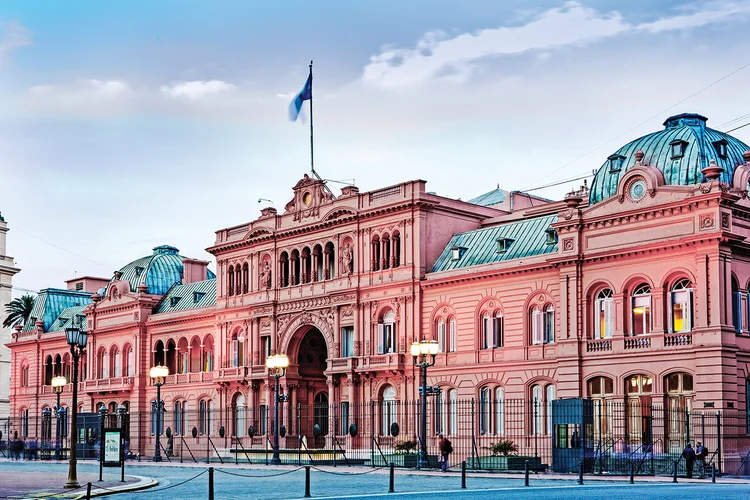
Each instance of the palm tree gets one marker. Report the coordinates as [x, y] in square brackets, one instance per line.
[18, 310]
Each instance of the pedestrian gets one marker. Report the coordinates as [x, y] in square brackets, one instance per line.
[700, 455]
[689, 455]
[446, 448]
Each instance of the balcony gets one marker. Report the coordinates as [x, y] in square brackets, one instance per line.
[233, 373]
[189, 378]
[113, 384]
[637, 343]
[391, 361]
[343, 365]
[599, 345]
[678, 339]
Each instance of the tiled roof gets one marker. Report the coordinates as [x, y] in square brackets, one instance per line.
[491, 198]
[159, 271]
[50, 302]
[190, 296]
[63, 320]
[699, 150]
[480, 246]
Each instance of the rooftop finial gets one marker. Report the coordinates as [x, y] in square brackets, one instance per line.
[745, 156]
[712, 171]
[639, 156]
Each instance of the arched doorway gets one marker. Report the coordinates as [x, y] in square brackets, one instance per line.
[311, 355]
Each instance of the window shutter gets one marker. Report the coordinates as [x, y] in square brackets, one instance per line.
[452, 346]
[535, 327]
[381, 338]
[610, 317]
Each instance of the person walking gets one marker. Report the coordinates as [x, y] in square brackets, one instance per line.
[689, 455]
[446, 448]
[700, 455]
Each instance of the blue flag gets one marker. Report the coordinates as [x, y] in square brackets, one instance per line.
[296, 105]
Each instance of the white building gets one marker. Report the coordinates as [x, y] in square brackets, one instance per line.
[7, 270]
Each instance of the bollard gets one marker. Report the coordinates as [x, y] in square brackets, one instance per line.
[632, 472]
[580, 472]
[463, 474]
[391, 483]
[210, 483]
[674, 472]
[307, 481]
[88, 491]
[526, 473]
[713, 472]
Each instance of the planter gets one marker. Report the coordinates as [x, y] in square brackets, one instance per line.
[400, 460]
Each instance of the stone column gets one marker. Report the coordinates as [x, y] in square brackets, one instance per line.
[326, 271]
[314, 267]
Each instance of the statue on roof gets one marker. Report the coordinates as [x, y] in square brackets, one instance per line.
[347, 256]
[265, 275]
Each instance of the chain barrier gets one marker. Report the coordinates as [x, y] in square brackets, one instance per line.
[151, 490]
[64, 492]
[347, 473]
[256, 476]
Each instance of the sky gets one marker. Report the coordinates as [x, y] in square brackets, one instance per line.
[127, 125]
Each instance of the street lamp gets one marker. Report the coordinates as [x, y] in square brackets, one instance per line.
[276, 365]
[57, 387]
[420, 351]
[77, 337]
[159, 376]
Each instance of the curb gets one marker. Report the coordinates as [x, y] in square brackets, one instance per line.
[143, 483]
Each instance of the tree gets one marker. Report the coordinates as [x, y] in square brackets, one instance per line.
[18, 310]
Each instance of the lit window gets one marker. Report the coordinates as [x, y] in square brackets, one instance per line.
[681, 298]
[641, 310]
[604, 318]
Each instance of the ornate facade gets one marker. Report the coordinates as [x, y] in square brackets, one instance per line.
[634, 291]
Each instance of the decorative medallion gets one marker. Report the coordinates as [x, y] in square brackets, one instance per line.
[568, 244]
[706, 222]
[637, 190]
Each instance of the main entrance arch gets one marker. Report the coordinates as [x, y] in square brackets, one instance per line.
[308, 353]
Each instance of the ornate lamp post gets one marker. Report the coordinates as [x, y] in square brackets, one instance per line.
[276, 365]
[77, 338]
[420, 351]
[158, 375]
[57, 387]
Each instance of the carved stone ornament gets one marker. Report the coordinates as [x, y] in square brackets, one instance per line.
[568, 244]
[706, 222]
[725, 221]
[567, 214]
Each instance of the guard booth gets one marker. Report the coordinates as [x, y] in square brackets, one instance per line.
[573, 435]
[88, 426]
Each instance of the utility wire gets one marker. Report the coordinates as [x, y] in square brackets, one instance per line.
[660, 113]
[15, 228]
[737, 128]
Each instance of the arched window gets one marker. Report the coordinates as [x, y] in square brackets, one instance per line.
[396, 253]
[548, 324]
[245, 278]
[375, 253]
[600, 391]
[441, 334]
[182, 356]
[536, 325]
[318, 264]
[537, 402]
[116, 362]
[195, 354]
[389, 413]
[493, 334]
[204, 416]
[230, 280]
[499, 410]
[103, 364]
[172, 364]
[66, 366]
[441, 412]
[681, 305]
[284, 269]
[485, 410]
[238, 349]
[24, 422]
[159, 354]
[451, 340]
[387, 333]
[736, 306]
[640, 305]
[180, 417]
[550, 395]
[453, 411]
[25, 375]
[58, 365]
[604, 319]
[294, 267]
[330, 254]
[306, 265]
[48, 369]
[130, 363]
[208, 354]
[386, 252]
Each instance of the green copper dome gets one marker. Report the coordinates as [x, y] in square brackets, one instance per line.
[680, 152]
[158, 271]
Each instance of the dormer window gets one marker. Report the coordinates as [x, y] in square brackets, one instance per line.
[457, 252]
[677, 148]
[615, 163]
[721, 148]
[138, 271]
[551, 235]
[197, 296]
[174, 300]
[63, 321]
[503, 244]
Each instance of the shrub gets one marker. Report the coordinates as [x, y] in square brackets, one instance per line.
[504, 447]
[406, 447]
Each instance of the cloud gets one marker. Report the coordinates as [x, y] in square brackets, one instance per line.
[197, 89]
[15, 37]
[437, 56]
[82, 96]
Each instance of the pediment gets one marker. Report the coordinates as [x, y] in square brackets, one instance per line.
[339, 212]
[258, 232]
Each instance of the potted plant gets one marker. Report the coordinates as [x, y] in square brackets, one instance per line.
[406, 450]
[504, 455]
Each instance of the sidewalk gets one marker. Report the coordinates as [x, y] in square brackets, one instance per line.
[24, 484]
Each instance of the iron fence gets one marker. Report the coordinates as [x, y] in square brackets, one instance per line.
[488, 435]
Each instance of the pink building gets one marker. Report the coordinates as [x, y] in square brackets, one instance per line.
[633, 294]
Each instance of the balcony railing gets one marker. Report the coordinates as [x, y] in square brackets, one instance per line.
[678, 339]
[637, 343]
[599, 345]
[108, 384]
[343, 364]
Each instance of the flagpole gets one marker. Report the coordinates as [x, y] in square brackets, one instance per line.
[312, 162]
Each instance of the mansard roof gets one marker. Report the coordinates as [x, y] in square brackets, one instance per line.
[190, 296]
[63, 320]
[50, 302]
[490, 198]
[524, 238]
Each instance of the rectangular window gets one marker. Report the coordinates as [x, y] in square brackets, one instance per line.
[549, 326]
[344, 428]
[347, 342]
[498, 333]
[452, 336]
[441, 336]
[265, 349]
[263, 419]
[79, 287]
[682, 320]
[605, 318]
[235, 353]
[536, 326]
[641, 315]
[386, 338]
[486, 332]
[737, 311]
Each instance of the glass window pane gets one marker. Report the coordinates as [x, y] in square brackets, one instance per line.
[608, 386]
[687, 382]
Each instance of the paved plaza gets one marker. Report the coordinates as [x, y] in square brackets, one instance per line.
[190, 482]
